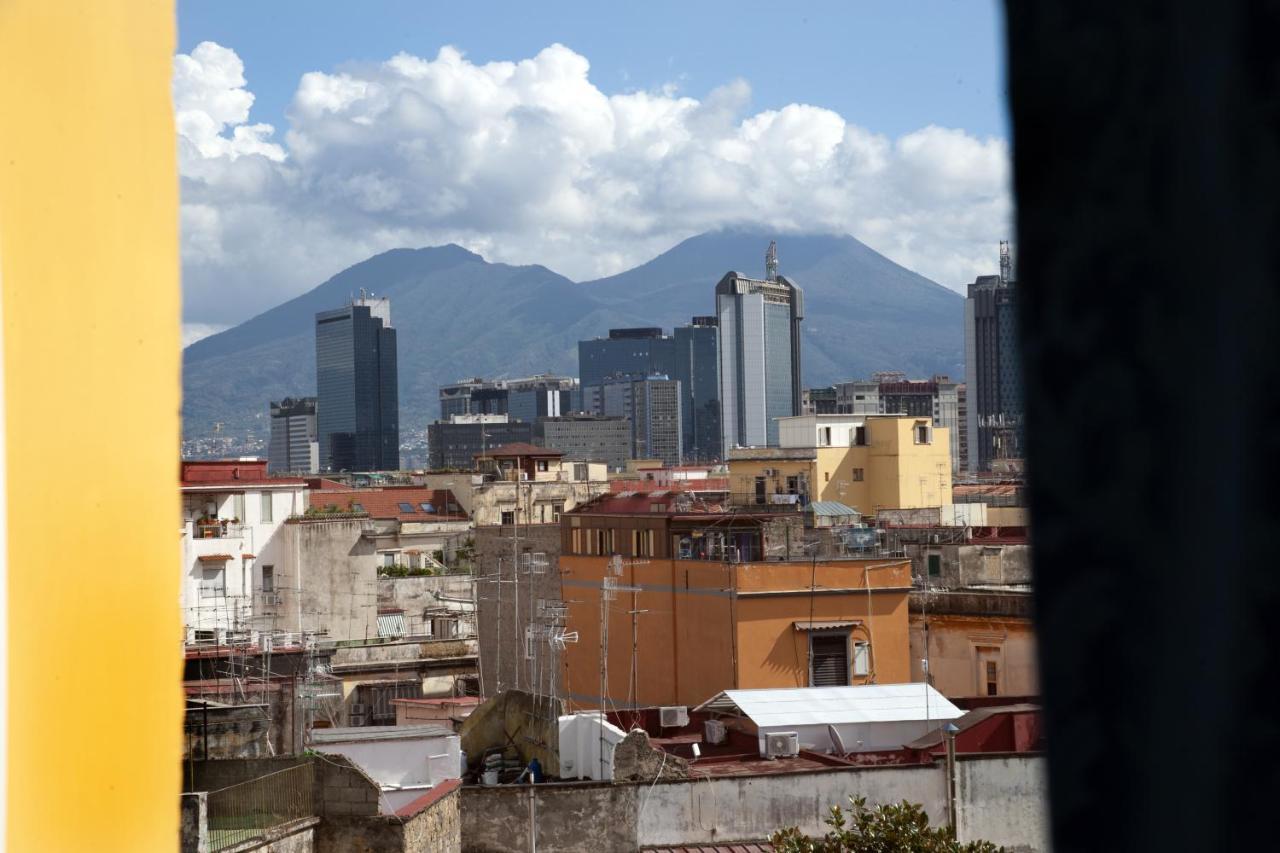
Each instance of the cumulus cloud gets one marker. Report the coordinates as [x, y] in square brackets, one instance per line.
[529, 161]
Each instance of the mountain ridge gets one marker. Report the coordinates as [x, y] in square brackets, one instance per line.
[460, 316]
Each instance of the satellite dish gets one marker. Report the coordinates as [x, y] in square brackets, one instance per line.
[838, 741]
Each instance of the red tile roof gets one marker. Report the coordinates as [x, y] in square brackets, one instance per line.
[385, 503]
[518, 448]
[215, 558]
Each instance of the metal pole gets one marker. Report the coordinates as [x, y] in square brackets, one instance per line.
[950, 734]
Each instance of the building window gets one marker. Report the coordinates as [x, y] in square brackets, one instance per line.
[268, 578]
[556, 509]
[542, 465]
[824, 436]
[861, 658]
[993, 681]
[856, 474]
[793, 485]
[405, 507]
[580, 471]
[508, 516]
[935, 565]
[237, 506]
[922, 434]
[267, 516]
[829, 654]
[642, 543]
[860, 435]
[213, 581]
[760, 487]
[390, 558]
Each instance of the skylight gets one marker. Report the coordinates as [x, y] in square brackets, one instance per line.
[405, 507]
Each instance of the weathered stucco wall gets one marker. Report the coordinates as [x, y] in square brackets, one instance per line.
[327, 579]
[572, 818]
[502, 659]
[747, 808]
[1003, 799]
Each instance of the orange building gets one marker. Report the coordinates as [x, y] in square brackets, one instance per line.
[692, 605]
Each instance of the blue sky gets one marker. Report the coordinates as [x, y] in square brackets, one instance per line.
[890, 66]
[587, 137]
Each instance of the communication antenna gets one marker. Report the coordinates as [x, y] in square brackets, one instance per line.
[771, 261]
[1006, 263]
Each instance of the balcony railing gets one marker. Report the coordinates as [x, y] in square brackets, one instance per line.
[246, 811]
[217, 529]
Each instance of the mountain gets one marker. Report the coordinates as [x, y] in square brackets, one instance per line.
[460, 316]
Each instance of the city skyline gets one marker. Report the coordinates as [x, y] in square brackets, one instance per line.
[299, 161]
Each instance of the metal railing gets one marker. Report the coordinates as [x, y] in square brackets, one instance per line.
[242, 812]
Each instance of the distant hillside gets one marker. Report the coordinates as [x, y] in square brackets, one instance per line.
[460, 316]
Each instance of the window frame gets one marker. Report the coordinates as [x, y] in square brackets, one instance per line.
[847, 636]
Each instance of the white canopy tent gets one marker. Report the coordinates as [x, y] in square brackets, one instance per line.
[840, 719]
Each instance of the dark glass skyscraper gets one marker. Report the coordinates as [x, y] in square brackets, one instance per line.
[358, 403]
[694, 363]
[687, 356]
[992, 369]
[759, 354]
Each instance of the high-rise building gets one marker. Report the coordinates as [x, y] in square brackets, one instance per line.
[626, 352]
[892, 393]
[587, 438]
[456, 442]
[473, 397]
[652, 405]
[759, 322]
[688, 356]
[546, 395]
[993, 375]
[293, 447]
[357, 397]
[695, 365]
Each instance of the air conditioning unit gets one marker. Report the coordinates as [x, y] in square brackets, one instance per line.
[356, 717]
[714, 732]
[782, 744]
[524, 475]
[673, 718]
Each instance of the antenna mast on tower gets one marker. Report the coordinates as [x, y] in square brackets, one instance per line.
[1006, 263]
[771, 261]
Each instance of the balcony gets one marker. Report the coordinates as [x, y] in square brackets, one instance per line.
[217, 528]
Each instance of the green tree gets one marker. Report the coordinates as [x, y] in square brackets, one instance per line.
[892, 828]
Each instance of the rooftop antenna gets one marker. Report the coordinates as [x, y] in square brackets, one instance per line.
[771, 261]
[1006, 263]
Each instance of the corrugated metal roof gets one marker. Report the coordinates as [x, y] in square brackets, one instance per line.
[871, 703]
[823, 626]
[832, 508]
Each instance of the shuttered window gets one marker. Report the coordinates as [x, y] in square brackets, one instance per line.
[830, 660]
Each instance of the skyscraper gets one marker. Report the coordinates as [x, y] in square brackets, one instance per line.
[687, 356]
[759, 323]
[293, 447]
[993, 375]
[357, 400]
[652, 405]
[694, 364]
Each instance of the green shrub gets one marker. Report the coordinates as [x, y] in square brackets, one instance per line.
[891, 828]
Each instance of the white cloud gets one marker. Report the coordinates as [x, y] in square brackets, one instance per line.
[530, 162]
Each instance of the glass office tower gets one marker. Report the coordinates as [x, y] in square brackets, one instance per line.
[696, 367]
[759, 323]
[358, 404]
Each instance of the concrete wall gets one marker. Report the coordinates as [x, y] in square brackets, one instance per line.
[529, 723]
[327, 579]
[746, 808]
[502, 660]
[296, 837]
[1001, 798]
[572, 818]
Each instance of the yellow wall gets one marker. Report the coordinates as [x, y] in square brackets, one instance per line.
[89, 267]
[953, 658]
[897, 473]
